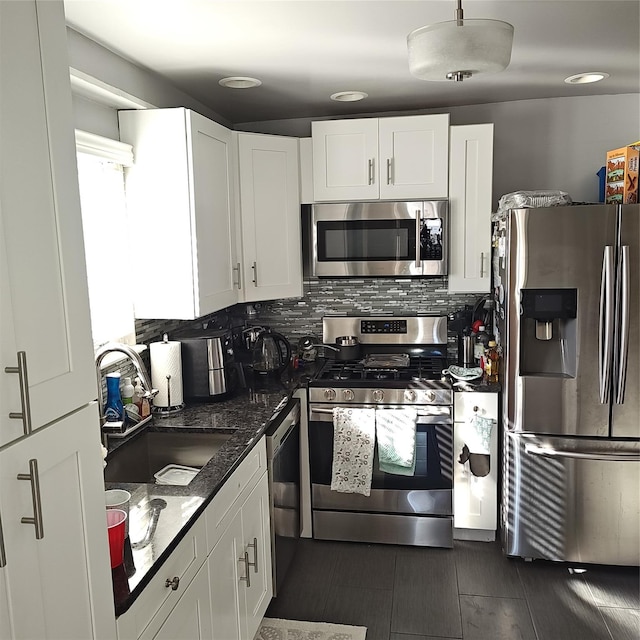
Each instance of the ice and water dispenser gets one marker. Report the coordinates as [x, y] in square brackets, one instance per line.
[548, 332]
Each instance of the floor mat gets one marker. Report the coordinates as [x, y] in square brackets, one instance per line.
[276, 629]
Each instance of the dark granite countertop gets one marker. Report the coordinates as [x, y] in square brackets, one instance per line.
[176, 508]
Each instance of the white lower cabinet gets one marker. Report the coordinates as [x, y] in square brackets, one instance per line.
[56, 569]
[475, 462]
[191, 617]
[240, 570]
[222, 568]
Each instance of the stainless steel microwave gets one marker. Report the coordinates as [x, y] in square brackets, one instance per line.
[379, 239]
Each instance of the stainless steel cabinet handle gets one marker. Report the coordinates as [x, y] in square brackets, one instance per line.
[254, 266]
[33, 477]
[418, 230]
[3, 554]
[371, 176]
[25, 414]
[174, 583]
[389, 178]
[245, 559]
[605, 333]
[237, 268]
[482, 264]
[254, 564]
[622, 350]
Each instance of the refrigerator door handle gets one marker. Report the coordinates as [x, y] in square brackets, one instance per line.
[614, 456]
[605, 333]
[622, 350]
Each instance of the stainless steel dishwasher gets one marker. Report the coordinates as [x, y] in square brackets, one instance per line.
[283, 463]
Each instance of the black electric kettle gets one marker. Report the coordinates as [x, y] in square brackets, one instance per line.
[270, 351]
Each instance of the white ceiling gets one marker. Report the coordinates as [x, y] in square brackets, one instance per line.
[305, 50]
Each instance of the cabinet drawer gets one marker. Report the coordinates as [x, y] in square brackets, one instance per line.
[236, 489]
[157, 599]
[464, 404]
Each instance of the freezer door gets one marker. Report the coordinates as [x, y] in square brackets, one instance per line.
[571, 501]
[626, 365]
[561, 385]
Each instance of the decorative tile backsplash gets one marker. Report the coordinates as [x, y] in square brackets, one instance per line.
[297, 317]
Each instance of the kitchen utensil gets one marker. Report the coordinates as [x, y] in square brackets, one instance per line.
[270, 351]
[119, 499]
[346, 347]
[386, 360]
[116, 519]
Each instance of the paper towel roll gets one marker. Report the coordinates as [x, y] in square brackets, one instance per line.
[166, 360]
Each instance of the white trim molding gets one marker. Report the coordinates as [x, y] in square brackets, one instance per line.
[102, 147]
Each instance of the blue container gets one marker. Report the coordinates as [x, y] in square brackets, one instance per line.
[113, 410]
[602, 176]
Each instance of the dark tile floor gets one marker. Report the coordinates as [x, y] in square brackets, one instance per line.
[471, 592]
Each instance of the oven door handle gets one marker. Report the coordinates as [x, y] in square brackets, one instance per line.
[441, 411]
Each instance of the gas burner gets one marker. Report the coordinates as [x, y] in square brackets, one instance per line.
[340, 375]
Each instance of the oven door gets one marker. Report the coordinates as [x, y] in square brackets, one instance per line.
[427, 492]
[367, 239]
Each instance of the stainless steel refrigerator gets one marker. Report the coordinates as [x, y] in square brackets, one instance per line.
[567, 289]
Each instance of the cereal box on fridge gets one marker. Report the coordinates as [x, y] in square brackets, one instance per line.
[622, 175]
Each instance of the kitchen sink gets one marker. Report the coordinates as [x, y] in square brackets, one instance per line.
[151, 451]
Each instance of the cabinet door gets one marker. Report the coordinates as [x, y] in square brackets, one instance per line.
[345, 159]
[414, 157]
[212, 163]
[470, 188]
[225, 570]
[257, 539]
[190, 619]
[59, 585]
[270, 215]
[474, 496]
[44, 299]
[180, 199]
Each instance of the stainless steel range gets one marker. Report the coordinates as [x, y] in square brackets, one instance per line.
[400, 366]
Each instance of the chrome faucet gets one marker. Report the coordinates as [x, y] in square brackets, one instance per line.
[133, 355]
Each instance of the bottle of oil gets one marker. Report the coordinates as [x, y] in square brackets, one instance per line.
[492, 362]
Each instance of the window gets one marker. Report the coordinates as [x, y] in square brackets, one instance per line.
[111, 267]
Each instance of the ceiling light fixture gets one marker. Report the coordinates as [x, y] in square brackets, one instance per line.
[349, 96]
[458, 49]
[240, 82]
[585, 78]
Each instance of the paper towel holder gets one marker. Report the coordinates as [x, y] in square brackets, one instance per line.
[169, 408]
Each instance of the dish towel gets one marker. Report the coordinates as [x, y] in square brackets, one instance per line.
[354, 434]
[396, 433]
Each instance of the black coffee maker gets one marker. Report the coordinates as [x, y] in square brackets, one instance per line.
[460, 323]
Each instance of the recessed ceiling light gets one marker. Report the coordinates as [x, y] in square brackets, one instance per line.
[349, 96]
[240, 82]
[585, 78]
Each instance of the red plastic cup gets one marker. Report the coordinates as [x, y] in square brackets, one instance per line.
[116, 519]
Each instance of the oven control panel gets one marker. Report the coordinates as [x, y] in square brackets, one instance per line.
[391, 325]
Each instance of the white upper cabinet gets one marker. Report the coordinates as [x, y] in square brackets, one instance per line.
[180, 199]
[44, 306]
[345, 159]
[414, 154]
[270, 217]
[470, 188]
[386, 158]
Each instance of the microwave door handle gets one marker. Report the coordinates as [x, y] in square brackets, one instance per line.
[418, 229]
[623, 323]
[605, 336]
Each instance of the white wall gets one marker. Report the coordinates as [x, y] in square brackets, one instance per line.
[554, 143]
[97, 62]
